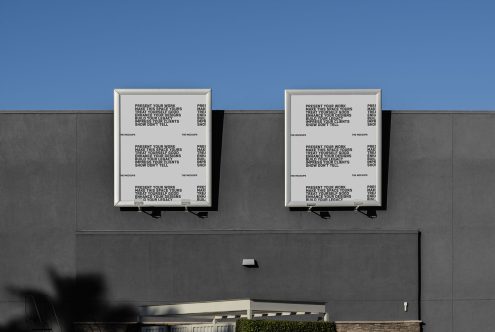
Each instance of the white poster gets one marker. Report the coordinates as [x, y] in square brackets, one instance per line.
[162, 147]
[333, 148]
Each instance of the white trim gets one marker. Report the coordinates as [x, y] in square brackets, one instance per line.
[243, 308]
[196, 308]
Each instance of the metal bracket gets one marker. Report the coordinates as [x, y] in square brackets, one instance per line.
[139, 203]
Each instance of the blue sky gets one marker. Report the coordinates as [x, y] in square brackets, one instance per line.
[70, 55]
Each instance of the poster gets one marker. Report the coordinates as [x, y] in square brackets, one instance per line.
[333, 148]
[162, 147]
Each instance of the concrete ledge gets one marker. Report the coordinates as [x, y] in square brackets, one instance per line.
[379, 326]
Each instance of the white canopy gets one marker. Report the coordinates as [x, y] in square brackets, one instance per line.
[231, 309]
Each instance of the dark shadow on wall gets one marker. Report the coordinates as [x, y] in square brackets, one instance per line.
[216, 142]
[81, 299]
[386, 127]
[419, 275]
[370, 212]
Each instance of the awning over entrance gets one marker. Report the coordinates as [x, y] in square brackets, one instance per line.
[212, 311]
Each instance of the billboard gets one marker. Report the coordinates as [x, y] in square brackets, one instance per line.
[162, 147]
[332, 148]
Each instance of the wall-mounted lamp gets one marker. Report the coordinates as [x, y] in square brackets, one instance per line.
[156, 213]
[249, 262]
[370, 212]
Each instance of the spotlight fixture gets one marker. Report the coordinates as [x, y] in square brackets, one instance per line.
[249, 262]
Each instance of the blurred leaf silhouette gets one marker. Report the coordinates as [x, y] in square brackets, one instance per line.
[75, 299]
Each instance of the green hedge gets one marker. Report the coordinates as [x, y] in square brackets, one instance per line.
[246, 325]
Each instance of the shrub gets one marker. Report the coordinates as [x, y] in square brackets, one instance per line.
[247, 325]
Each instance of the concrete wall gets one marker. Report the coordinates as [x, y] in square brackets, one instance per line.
[360, 274]
[56, 192]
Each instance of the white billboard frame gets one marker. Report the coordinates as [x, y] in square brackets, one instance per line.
[117, 147]
[333, 204]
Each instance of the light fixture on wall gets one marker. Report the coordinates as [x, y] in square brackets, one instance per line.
[156, 213]
[370, 211]
[249, 263]
[321, 214]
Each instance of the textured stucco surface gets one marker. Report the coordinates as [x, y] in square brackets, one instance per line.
[56, 200]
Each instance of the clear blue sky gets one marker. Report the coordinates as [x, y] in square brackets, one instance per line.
[424, 54]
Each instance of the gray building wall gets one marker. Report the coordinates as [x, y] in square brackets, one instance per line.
[433, 243]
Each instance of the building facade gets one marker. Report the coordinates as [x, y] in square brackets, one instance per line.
[427, 256]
